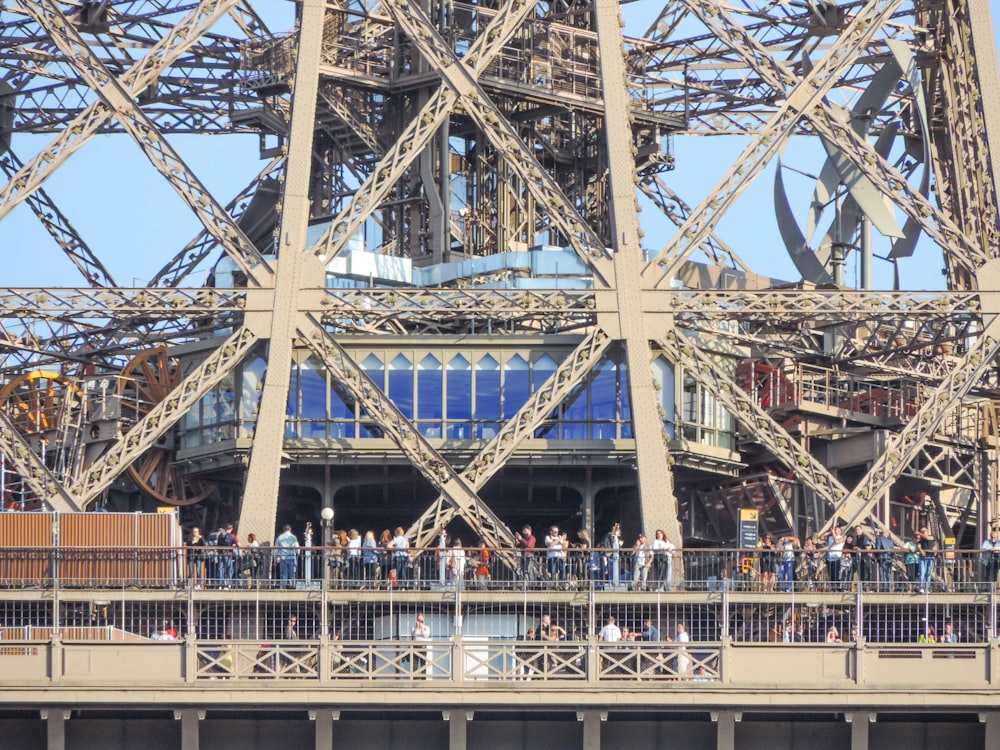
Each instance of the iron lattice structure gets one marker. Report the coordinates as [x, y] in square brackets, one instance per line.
[448, 133]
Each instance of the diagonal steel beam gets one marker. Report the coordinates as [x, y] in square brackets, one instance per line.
[181, 265]
[418, 133]
[765, 430]
[60, 228]
[802, 98]
[118, 99]
[505, 139]
[492, 456]
[902, 448]
[455, 487]
[853, 146]
[162, 416]
[30, 467]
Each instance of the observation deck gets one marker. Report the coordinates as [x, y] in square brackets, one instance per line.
[84, 633]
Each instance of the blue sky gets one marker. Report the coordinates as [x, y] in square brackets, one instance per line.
[134, 222]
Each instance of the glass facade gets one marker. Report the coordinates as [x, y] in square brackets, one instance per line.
[466, 395]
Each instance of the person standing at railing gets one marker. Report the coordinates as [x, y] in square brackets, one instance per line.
[525, 541]
[788, 546]
[226, 543]
[642, 562]
[866, 560]
[401, 557]
[663, 560]
[912, 561]
[883, 552]
[834, 551]
[369, 559]
[683, 660]
[991, 559]
[555, 543]
[286, 552]
[420, 634]
[928, 557]
[196, 551]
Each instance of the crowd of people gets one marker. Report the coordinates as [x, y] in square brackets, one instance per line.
[553, 560]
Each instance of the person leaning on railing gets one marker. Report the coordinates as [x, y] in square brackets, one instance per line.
[197, 547]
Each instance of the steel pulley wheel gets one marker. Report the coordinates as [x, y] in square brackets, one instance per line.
[33, 401]
[146, 381]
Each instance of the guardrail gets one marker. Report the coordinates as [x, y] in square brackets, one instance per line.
[738, 570]
[514, 665]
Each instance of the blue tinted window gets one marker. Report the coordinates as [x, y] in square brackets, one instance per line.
[401, 384]
[541, 371]
[374, 368]
[459, 383]
[487, 395]
[626, 403]
[313, 383]
[429, 388]
[516, 385]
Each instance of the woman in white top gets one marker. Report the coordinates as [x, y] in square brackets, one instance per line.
[663, 560]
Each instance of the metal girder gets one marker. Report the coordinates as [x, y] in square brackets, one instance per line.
[657, 502]
[453, 486]
[259, 508]
[806, 94]
[60, 228]
[120, 98]
[967, 161]
[92, 119]
[415, 137]
[674, 208]
[854, 146]
[162, 417]
[492, 456]
[98, 303]
[178, 268]
[903, 447]
[30, 467]
[760, 424]
[458, 76]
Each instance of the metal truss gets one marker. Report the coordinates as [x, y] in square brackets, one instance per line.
[384, 112]
[492, 457]
[456, 488]
[161, 417]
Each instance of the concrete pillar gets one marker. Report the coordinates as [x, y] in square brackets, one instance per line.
[992, 733]
[55, 728]
[190, 730]
[725, 730]
[457, 734]
[324, 729]
[591, 730]
[859, 730]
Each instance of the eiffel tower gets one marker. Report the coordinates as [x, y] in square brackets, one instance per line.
[464, 288]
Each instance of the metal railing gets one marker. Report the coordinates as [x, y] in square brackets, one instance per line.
[711, 570]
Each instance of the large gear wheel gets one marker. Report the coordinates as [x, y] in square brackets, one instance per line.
[146, 381]
[33, 401]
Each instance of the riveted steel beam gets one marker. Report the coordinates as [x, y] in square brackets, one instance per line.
[453, 486]
[32, 469]
[573, 370]
[161, 417]
[806, 94]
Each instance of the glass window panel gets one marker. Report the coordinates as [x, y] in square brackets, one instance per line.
[541, 371]
[401, 384]
[604, 391]
[459, 385]
[252, 384]
[429, 389]
[313, 380]
[516, 385]
[625, 401]
[487, 396]
[663, 377]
